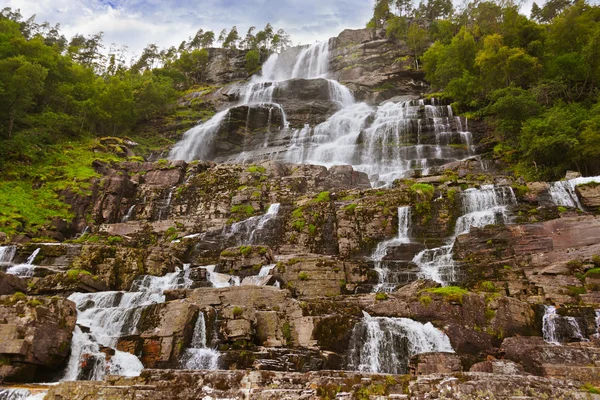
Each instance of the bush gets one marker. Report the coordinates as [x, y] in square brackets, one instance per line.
[322, 197]
[381, 296]
[114, 240]
[237, 311]
[423, 189]
[303, 276]
[252, 61]
[73, 274]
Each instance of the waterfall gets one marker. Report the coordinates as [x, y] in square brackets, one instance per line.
[557, 329]
[163, 210]
[198, 355]
[20, 394]
[129, 214]
[27, 269]
[7, 254]
[385, 345]
[597, 334]
[262, 278]
[107, 316]
[219, 280]
[480, 207]
[381, 267]
[385, 141]
[563, 192]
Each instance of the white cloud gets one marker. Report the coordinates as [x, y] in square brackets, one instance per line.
[136, 23]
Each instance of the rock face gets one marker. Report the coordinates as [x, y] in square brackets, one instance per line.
[156, 384]
[36, 337]
[579, 361]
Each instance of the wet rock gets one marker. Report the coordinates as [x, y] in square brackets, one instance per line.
[434, 363]
[501, 367]
[163, 332]
[580, 361]
[9, 284]
[589, 195]
[36, 336]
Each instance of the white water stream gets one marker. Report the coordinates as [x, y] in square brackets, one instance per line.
[383, 141]
[563, 192]
[480, 207]
[104, 317]
[557, 329]
[25, 270]
[385, 345]
[199, 355]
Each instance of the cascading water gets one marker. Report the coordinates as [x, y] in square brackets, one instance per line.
[563, 192]
[20, 394]
[262, 278]
[27, 269]
[107, 316]
[385, 141]
[385, 345]
[219, 280]
[386, 284]
[7, 254]
[198, 355]
[557, 329]
[129, 214]
[480, 207]
[597, 334]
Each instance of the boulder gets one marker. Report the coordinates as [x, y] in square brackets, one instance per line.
[9, 284]
[500, 367]
[36, 336]
[589, 195]
[580, 361]
[434, 363]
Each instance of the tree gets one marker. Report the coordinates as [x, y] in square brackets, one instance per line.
[232, 39]
[417, 41]
[20, 82]
[252, 61]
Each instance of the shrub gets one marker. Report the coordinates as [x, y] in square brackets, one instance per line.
[73, 274]
[237, 311]
[303, 276]
[115, 239]
[322, 197]
[425, 300]
[487, 286]
[424, 189]
[381, 296]
[245, 250]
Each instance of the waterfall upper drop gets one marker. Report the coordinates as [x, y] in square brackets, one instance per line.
[198, 355]
[386, 344]
[385, 141]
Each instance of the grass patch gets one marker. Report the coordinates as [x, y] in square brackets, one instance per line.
[73, 274]
[30, 191]
[381, 296]
[303, 276]
[450, 293]
[424, 189]
[322, 197]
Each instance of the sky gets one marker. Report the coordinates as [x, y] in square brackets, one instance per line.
[136, 23]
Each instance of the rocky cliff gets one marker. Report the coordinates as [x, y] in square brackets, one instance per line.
[278, 278]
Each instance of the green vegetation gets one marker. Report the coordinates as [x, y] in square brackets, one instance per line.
[303, 276]
[423, 189]
[487, 286]
[237, 312]
[243, 209]
[256, 169]
[73, 274]
[322, 197]
[588, 387]
[381, 296]
[114, 240]
[62, 97]
[450, 293]
[245, 250]
[535, 79]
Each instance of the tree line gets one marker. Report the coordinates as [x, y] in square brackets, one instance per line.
[535, 79]
[53, 89]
